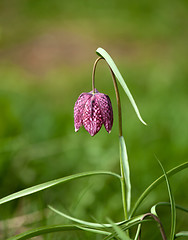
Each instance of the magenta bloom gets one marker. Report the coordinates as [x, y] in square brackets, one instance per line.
[92, 110]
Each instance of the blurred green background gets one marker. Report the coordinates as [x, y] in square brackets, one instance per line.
[47, 50]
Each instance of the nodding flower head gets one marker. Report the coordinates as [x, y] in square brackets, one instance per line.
[92, 110]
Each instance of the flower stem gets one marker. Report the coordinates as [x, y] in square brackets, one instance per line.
[159, 224]
[118, 102]
[93, 73]
[123, 192]
[123, 184]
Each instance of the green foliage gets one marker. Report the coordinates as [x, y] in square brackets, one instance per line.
[172, 205]
[155, 183]
[119, 77]
[181, 234]
[126, 171]
[44, 230]
[120, 233]
[46, 53]
[52, 183]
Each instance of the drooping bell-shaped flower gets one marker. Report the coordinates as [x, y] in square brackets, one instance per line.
[92, 110]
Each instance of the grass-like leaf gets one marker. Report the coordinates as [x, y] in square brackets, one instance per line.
[137, 232]
[44, 230]
[127, 225]
[124, 157]
[101, 52]
[82, 222]
[121, 234]
[154, 208]
[52, 183]
[181, 234]
[155, 184]
[54, 228]
[172, 203]
[96, 231]
[124, 225]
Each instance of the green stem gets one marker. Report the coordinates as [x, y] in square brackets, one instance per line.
[123, 191]
[123, 185]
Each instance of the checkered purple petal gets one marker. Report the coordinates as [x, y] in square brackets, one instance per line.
[106, 110]
[79, 108]
[92, 116]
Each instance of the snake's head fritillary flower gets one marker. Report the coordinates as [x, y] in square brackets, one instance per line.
[92, 110]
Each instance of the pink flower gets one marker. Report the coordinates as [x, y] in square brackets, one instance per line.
[92, 110]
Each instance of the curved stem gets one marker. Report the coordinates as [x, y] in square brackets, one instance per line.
[158, 221]
[118, 102]
[93, 73]
[116, 91]
[123, 184]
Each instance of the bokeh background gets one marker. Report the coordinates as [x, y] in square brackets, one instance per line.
[47, 50]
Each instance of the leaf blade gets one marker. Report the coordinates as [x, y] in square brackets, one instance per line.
[52, 183]
[155, 184]
[172, 204]
[101, 52]
[97, 231]
[119, 231]
[82, 222]
[43, 230]
[126, 170]
[127, 225]
[181, 234]
[154, 207]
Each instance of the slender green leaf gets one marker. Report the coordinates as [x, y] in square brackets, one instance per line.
[82, 222]
[54, 228]
[172, 203]
[181, 234]
[155, 184]
[128, 224]
[121, 234]
[97, 231]
[154, 208]
[44, 230]
[124, 157]
[124, 224]
[137, 232]
[52, 183]
[101, 52]
[127, 227]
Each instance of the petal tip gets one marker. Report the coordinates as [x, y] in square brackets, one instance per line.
[92, 133]
[76, 129]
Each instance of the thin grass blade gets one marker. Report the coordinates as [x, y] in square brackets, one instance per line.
[181, 234]
[127, 225]
[44, 230]
[154, 208]
[121, 234]
[96, 231]
[172, 203]
[82, 222]
[156, 183]
[137, 232]
[52, 183]
[101, 52]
